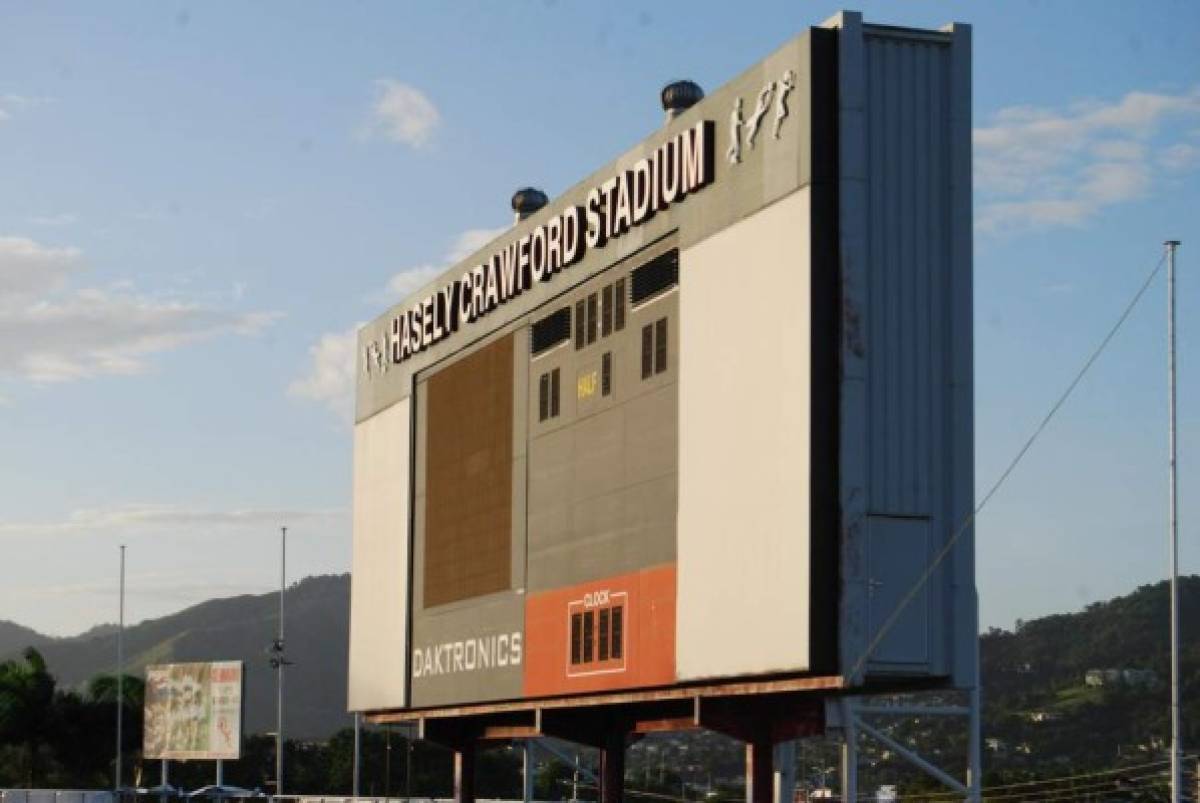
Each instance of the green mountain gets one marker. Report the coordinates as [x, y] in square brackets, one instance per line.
[1036, 699]
[317, 612]
[14, 638]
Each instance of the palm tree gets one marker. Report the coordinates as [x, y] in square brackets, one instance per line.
[26, 706]
[102, 691]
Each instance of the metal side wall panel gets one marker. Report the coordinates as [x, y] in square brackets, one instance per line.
[907, 440]
[380, 567]
[744, 446]
[908, 253]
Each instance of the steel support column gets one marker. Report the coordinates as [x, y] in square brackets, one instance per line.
[464, 773]
[612, 767]
[760, 755]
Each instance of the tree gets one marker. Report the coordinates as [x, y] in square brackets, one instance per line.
[26, 707]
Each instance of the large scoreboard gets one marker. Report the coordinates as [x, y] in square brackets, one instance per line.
[705, 417]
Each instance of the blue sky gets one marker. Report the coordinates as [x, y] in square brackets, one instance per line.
[198, 203]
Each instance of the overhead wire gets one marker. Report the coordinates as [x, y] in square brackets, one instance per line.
[1145, 769]
[1132, 768]
[970, 519]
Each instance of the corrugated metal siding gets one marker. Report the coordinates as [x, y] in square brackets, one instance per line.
[908, 214]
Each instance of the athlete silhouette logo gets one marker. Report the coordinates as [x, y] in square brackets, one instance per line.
[735, 133]
[786, 84]
[760, 109]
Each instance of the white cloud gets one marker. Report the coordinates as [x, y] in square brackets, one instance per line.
[402, 113]
[332, 360]
[27, 267]
[409, 280]
[63, 219]
[53, 332]
[1180, 156]
[330, 377]
[138, 517]
[1042, 168]
[471, 241]
[10, 102]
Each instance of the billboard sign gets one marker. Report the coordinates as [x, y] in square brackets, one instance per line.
[194, 711]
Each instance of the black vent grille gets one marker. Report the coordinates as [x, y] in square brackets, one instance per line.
[657, 275]
[550, 331]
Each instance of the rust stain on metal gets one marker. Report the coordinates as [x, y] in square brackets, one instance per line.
[820, 683]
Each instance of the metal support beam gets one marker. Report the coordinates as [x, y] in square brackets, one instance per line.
[570, 759]
[612, 768]
[911, 757]
[464, 773]
[785, 772]
[760, 755]
[914, 710]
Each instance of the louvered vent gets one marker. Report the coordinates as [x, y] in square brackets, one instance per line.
[550, 331]
[657, 275]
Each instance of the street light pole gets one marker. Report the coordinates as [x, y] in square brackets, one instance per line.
[120, 672]
[279, 662]
[1176, 779]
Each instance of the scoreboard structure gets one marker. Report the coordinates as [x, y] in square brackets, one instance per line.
[680, 447]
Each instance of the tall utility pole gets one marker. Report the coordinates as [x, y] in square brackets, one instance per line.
[120, 672]
[357, 751]
[1176, 770]
[279, 662]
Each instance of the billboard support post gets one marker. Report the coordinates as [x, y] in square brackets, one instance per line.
[464, 772]
[612, 767]
[220, 772]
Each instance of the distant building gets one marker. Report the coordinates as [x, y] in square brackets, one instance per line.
[1144, 678]
[1043, 716]
[1135, 678]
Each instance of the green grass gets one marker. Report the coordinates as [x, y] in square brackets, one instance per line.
[1077, 696]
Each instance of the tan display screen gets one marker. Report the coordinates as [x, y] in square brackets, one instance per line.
[468, 476]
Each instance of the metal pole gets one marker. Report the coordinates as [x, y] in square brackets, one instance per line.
[974, 763]
[408, 749]
[849, 752]
[527, 771]
[120, 672]
[220, 773]
[279, 666]
[357, 752]
[387, 761]
[785, 771]
[975, 723]
[163, 780]
[1176, 785]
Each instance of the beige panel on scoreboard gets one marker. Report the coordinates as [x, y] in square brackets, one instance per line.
[744, 447]
[379, 586]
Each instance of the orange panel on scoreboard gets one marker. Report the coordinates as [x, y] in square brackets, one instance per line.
[613, 633]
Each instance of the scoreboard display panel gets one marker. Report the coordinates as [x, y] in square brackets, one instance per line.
[705, 417]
